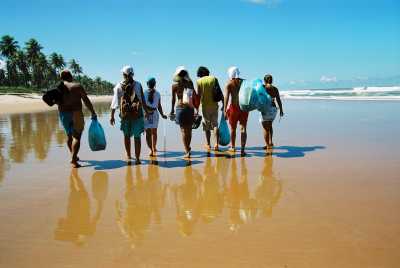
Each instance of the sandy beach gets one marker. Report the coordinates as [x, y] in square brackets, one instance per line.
[326, 196]
[31, 103]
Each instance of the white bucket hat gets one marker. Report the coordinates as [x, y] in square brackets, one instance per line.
[128, 70]
[233, 72]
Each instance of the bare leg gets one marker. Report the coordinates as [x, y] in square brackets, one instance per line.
[216, 134]
[233, 138]
[271, 132]
[153, 141]
[208, 139]
[75, 146]
[243, 139]
[127, 142]
[266, 127]
[148, 138]
[138, 145]
[186, 138]
[69, 143]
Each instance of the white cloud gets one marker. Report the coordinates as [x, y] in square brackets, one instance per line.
[135, 53]
[269, 3]
[327, 79]
[2, 64]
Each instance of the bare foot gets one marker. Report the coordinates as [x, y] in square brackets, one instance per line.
[232, 149]
[138, 162]
[216, 147]
[152, 154]
[270, 145]
[75, 164]
[187, 155]
[242, 153]
[265, 147]
[207, 147]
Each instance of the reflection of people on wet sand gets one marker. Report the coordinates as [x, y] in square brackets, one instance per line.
[238, 198]
[77, 225]
[157, 192]
[211, 194]
[269, 189]
[187, 197]
[143, 203]
[134, 218]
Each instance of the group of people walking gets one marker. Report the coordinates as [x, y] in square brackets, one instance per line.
[139, 110]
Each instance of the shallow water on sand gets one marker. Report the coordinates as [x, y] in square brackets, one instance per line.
[326, 196]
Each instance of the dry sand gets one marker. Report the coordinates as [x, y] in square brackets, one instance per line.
[31, 103]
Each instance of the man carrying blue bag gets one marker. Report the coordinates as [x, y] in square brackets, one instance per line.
[71, 115]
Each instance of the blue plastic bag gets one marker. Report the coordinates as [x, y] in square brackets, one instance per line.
[264, 99]
[223, 132]
[248, 97]
[97, 138]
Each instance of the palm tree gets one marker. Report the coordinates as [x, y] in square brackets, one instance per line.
[23, 67]
[75, 67]
[8, 46]
[57, 62]
[98, 85]
[33, 49]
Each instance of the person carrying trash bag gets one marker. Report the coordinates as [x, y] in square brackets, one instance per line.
[184, 94]
[70, 112]
[210, 95]
[233, 112]
[129, 97]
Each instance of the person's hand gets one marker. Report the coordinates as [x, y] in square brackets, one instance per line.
[112, 121]
[94, 116]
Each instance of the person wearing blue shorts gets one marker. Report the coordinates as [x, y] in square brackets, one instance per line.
[71, 115]
[129, 97]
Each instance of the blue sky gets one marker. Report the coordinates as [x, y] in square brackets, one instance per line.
[304, 44]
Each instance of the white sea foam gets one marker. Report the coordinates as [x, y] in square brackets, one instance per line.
[357, 93]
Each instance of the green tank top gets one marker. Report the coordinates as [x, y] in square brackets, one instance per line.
[207, 84]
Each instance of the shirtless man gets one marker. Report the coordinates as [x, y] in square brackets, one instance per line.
[233, 112]
[71, 115]
[268, 118]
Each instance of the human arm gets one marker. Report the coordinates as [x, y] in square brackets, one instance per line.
[160, 109]
[226, 99]
[87, 102]
[114, 104]
[278, 100]
[146, 109]
[173, 100]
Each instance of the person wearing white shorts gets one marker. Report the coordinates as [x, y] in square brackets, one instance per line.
[153, 101]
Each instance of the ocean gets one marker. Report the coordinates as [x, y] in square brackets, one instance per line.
[356, 93]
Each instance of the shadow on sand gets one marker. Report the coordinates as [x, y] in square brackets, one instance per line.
[115, 164]
[285, 151]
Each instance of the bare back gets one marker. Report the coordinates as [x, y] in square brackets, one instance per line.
[72, 96]
[233, 88]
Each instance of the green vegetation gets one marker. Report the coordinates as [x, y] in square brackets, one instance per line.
[29, 70]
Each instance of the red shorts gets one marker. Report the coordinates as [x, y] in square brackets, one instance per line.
[236, 115]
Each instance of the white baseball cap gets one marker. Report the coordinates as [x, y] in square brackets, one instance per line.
[127, 70]
[233, 72]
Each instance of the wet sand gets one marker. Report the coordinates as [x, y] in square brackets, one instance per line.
[32, 103]
[326, 196]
